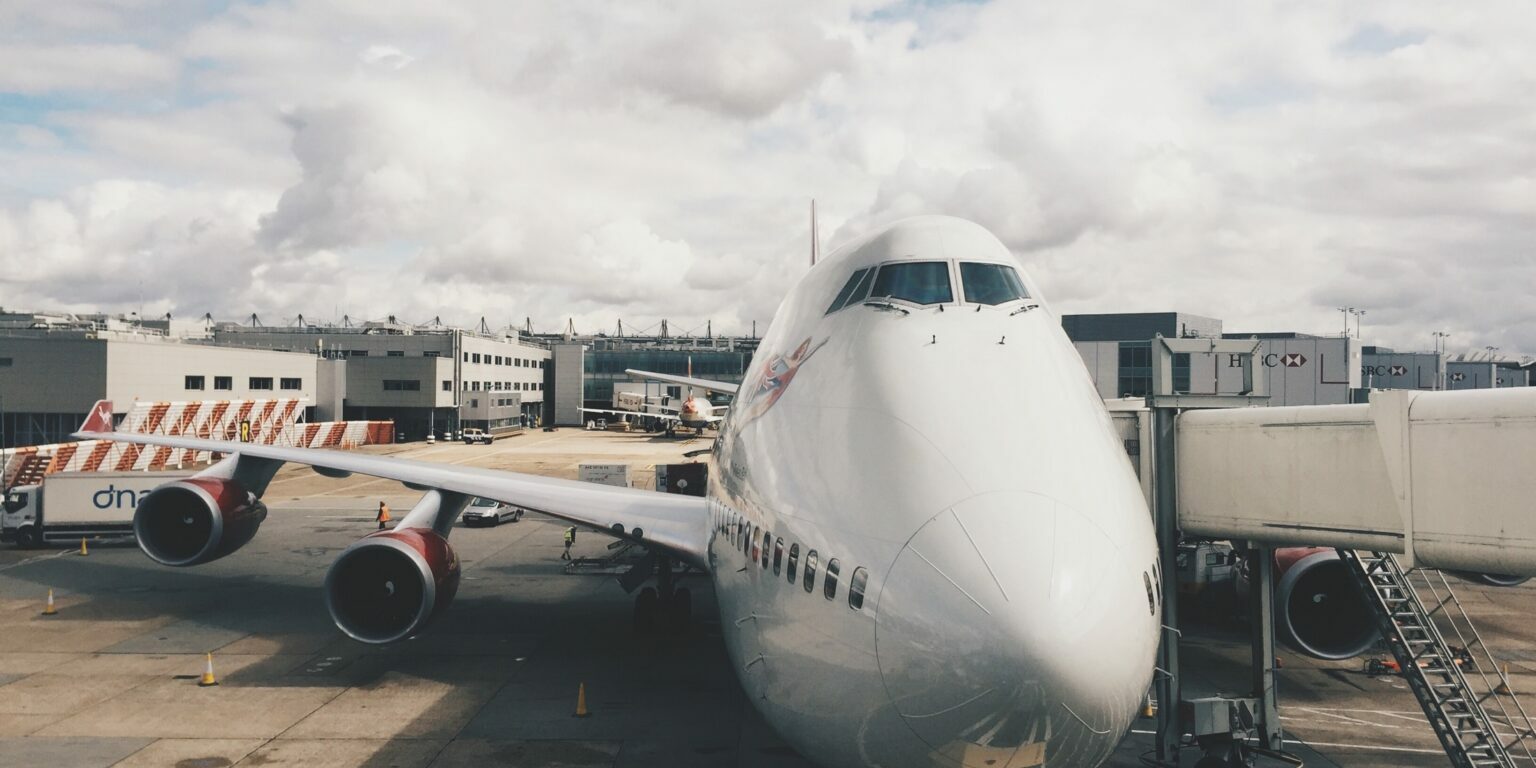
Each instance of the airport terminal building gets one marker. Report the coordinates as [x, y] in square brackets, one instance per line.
[437, 380]
[50, 378]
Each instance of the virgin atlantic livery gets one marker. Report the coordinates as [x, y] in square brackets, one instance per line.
[903, 579]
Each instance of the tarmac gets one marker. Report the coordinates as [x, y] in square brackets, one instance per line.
[112, 679]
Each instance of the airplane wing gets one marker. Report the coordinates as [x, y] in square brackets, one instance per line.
[711, 385]
[674, 523]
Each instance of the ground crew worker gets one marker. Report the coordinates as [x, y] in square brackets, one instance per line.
[383, 516]
[570, 538]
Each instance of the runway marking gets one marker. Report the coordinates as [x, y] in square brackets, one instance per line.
[1345, 718]
[19, 563]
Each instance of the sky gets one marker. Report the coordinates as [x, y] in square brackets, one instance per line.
[1263, 162]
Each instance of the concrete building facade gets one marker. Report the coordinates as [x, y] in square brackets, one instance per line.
[437, 380]
[49, 380]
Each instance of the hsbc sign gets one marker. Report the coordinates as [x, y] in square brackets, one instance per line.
[1272, 360]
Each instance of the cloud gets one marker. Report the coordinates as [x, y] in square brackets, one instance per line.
[1263, 163]
[33, 69]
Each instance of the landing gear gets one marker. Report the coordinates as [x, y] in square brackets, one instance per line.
[645, 611]
[663, 608]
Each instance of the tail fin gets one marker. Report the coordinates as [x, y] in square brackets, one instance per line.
[815, 236]
[99, 419]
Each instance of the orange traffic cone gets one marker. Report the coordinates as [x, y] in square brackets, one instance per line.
[1503, 689]
[83, 550]
[49, 610]
[581, 701]
[208, 678]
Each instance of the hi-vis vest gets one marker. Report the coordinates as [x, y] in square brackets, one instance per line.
[570, 535]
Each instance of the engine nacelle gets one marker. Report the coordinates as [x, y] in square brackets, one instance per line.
[1319, 610]
[196, 520]
[389, 585]
[1493, 579]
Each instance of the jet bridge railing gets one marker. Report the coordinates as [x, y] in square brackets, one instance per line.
[1442, 478]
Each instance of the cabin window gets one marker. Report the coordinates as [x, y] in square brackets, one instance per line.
[767, 542]
[991, 283]
[778, 556]
[920, 282]
[794, 559]
[751, 548]
[856, 587]
[1151, 598]
[846, 294]
[810, 571]
[829, 587]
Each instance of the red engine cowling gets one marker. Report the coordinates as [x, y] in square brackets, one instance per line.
[1319, 610]
[196, 520]
[389, 585]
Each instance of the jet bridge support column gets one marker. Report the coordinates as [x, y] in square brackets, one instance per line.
[1261, 623]
[1166, 404]
[1166, 521]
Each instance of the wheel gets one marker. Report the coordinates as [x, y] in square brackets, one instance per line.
[27, 538]
[680, 612]
[645, 611]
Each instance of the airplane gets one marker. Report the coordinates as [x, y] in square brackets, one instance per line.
[696, 412]
[900, 582]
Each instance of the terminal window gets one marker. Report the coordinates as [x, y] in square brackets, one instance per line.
[223, 382]
[432, 353]
[402, 385]
[287, 383]
[475, 358]
[394, 353]
[261, 382]
[194, 382]
[447, 385]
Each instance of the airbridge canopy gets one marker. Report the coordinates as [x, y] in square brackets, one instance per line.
[1447, 479]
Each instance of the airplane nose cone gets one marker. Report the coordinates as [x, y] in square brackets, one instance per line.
[1011, 628]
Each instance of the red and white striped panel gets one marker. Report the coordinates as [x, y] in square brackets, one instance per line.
[103, 455]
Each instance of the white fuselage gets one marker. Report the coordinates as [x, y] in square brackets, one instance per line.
[1008, 616]
[696, 412]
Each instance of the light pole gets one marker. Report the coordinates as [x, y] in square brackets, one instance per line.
[1346, 311]
[1440, 346]
[1358, 314]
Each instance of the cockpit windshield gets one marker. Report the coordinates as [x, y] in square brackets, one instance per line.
[854, 290]
[920, 282]
[991, 283]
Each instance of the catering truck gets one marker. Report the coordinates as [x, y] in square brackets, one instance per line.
[69, 506]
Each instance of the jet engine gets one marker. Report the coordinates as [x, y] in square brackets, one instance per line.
[389, 585]
[196, 520]
[1493, 579]
[1319, 610]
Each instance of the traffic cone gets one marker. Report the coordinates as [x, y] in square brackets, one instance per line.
[208, 678]
[1503, 689]
[581, 701]
[49, 610]
[83, 550]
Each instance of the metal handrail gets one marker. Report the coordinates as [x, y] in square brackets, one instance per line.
[1521, 737]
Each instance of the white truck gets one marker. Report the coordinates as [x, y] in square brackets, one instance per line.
[69, 506]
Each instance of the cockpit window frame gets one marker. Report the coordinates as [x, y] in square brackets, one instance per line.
[855, 289]
[965, 291]
[949, 273]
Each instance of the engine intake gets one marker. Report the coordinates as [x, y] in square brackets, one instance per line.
[389, 585]
[1319, 610]
[196, 520]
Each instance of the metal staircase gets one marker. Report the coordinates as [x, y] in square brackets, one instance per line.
[1475, 728]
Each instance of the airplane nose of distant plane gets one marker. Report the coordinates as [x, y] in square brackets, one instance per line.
[1010, 628]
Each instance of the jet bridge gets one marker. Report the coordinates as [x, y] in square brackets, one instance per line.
[1441, 478]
